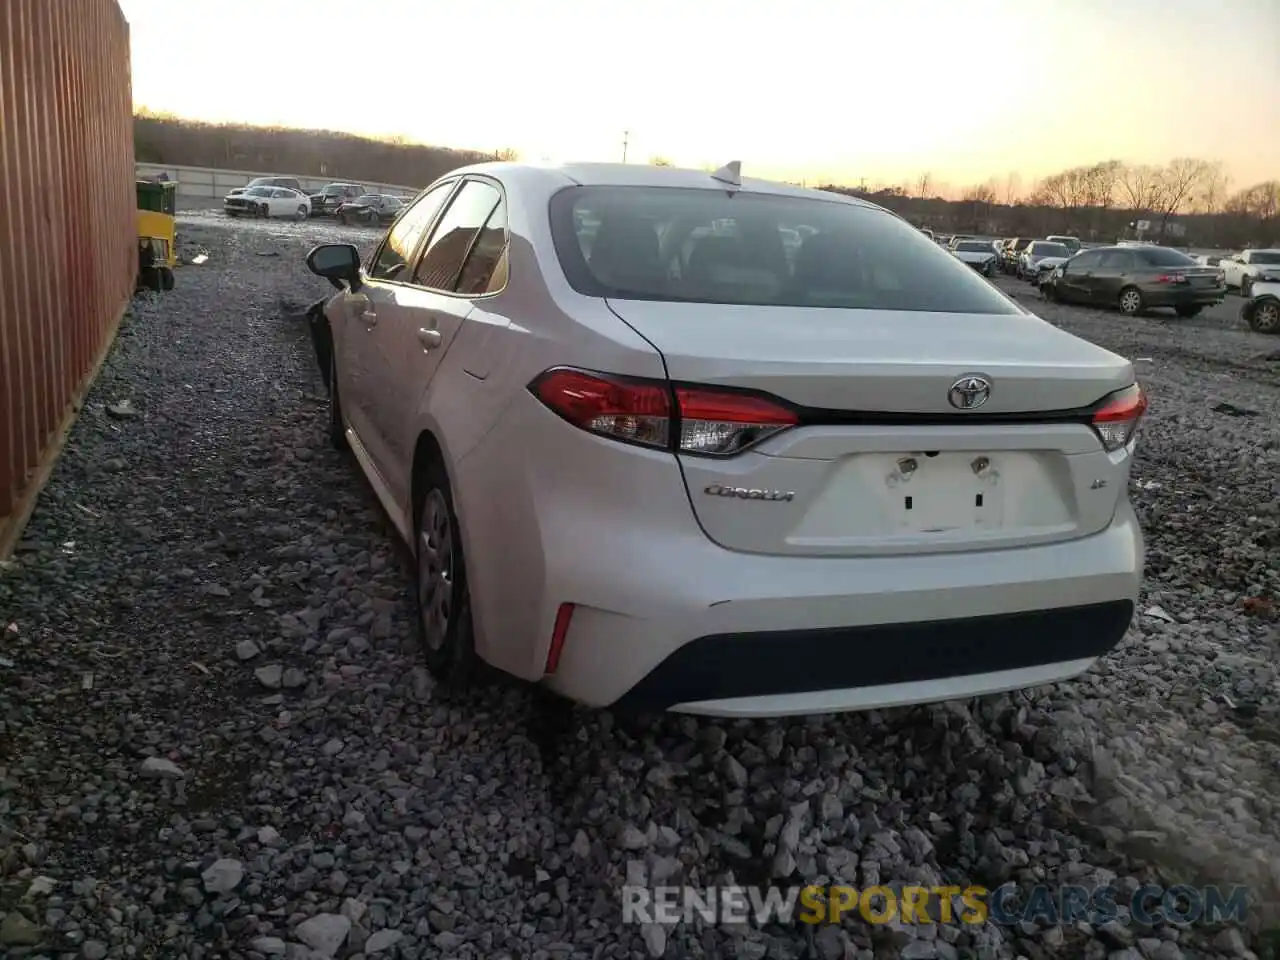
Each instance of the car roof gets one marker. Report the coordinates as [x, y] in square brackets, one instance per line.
[643, 175]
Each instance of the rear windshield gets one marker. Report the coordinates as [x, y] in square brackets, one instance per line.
[1269, 258]
[710, 246]
[1049, 250]
[974, 246]
[1164, 257]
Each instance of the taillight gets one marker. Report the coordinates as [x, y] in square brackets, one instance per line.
[1172, 278]
[1117, 419]
[683, 419]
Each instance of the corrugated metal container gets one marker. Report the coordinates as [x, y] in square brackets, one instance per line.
[67, 224]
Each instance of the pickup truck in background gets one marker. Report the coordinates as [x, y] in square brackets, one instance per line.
[1245, 269]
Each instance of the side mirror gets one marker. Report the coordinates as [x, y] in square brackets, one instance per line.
[339, 263]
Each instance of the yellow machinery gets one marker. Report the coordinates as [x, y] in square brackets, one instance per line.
[157, 233]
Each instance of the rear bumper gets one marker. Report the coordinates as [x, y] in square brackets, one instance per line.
[879, 665]
[767, 636]
[1163, 296]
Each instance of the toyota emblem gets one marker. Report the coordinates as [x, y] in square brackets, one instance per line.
[969, 392]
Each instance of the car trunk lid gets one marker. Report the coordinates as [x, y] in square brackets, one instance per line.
[882, 461]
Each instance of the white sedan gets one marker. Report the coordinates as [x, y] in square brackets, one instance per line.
[645, 457]
[268, 202]
[979, 254]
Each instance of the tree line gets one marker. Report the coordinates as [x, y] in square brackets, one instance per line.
[163, 139]
[1187, 202]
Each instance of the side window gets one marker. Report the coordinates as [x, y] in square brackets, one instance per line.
[480, 274]
[1083, 261]
[1116, 260]
[393, 256]
[451, 240]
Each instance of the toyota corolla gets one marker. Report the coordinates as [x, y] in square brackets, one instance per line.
[652, 456]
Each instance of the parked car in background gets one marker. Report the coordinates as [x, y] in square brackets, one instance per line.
[1071, 243]
[1039, 258]
[325, 203]
[1245, 269]
[1262, 310]
[1211, 259]
[614, 410]
[979, 254]
[268, 202]
[1134, 279]
[1011, 253]
[288, 183]
[369, 209]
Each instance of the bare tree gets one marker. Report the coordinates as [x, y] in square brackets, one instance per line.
[1012, 188]
[660, 162]
[924, 185]
[1099, 183]
[506, 153]
[1176, 184]
[1138, 186]
[1259, 202]
[1212, 193]
[979, 193]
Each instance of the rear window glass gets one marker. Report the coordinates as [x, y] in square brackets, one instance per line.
[974, 246]
[710, 246]
[1163, 257]
[1049, 250]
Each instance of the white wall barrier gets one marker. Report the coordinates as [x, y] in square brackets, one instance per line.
[207, 183]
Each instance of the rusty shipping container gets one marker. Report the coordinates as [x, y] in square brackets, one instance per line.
[67, 225]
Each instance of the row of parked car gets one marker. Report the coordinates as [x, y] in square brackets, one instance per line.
[1025, 257]
[284, 197]
[1132, 276]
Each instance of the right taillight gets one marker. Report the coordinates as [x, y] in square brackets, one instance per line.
[706, 421]
[1117, 418]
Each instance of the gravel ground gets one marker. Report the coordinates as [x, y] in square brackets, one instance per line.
[217, 740]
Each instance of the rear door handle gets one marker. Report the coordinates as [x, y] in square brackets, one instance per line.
[368, 316]
[429, 339]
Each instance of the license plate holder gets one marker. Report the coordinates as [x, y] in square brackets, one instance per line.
[946, 493]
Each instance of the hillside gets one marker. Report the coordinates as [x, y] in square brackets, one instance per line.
[318, 153]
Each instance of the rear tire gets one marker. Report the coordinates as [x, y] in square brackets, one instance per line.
[1130, 301]
[440, 574]
[1188, 312]
[1265, 317]
[302, 212]
[166, 278]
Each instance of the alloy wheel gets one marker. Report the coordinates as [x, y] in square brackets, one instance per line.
[435, 569]
[1130, 301]
[1266, 317]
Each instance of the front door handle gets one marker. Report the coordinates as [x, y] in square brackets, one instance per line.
[429, 339]
[368, 316]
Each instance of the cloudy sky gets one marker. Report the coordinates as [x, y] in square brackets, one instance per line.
[820, 91]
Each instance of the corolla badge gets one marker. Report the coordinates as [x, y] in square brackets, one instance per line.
[969, 392]
[748, 493]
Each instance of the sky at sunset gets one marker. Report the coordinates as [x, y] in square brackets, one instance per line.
[835, 91]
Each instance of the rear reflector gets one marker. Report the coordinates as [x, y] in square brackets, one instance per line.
[1117, 419]
[561, 629]
[708, 421]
